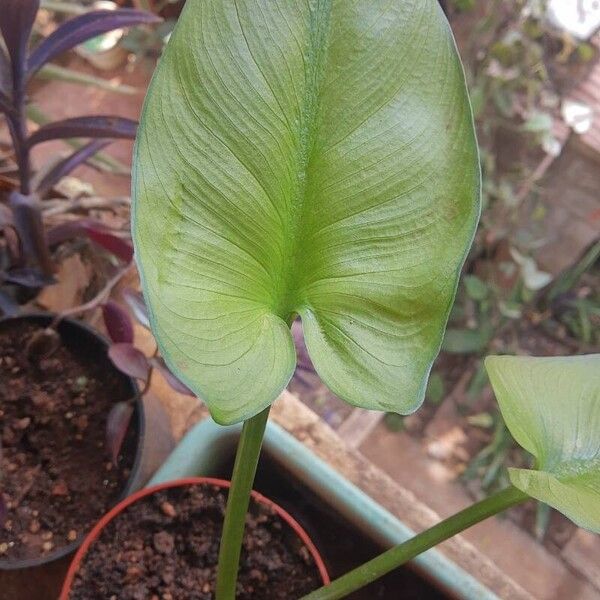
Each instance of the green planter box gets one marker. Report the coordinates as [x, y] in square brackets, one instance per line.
[207, 446]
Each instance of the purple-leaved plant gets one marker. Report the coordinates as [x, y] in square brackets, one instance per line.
[30, 264]
[131, 361]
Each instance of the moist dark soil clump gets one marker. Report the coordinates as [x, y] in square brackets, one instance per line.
[165, 547]
[56, 477]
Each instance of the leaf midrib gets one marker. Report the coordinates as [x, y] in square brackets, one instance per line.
[288, 297]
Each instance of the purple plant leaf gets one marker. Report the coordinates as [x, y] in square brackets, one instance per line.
[117, 322]
[82, 28]
[30, 228]
[31, 278]
[71, 229]
[159, 363]
[117, 424]
[135, 301]
[115, 245]
[100, 126]
[129, 360]
[16, 21]
[95, 231]
[64, 167]
[8, 306]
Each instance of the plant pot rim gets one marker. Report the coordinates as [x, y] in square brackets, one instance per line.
[143, 493]
[62, 551]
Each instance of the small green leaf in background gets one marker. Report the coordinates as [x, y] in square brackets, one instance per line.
[478, 100]
[552, 408]
[505, 192]
[463, 5]
[312, 158]
[478, 381]
[483, 420]
[570, 278]
[394, 422]
[476, 289]
[435, 389]
[538, 122]
[467, 341]
[586, 52]
[503, 102]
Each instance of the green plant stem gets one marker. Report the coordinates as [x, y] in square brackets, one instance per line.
[397, 556]
[244, 470]
[54, 72]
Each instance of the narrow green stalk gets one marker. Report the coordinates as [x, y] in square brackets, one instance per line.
[54, 72]
[397, 556]
[244, 470]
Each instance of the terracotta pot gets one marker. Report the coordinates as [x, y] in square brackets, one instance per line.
[41, 578]
[117, 510]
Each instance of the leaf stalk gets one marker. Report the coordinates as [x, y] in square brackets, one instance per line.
[244, 470]
[397, 556]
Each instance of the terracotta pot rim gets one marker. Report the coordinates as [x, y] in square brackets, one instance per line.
[222, 483]
[62, 551]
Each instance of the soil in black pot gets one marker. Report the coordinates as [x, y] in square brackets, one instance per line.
[56, 477]
[166, 547]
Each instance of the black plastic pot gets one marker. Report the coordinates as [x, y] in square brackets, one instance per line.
[41, 578]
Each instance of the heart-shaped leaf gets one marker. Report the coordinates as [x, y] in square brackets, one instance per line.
[314, 158]
[552, 408]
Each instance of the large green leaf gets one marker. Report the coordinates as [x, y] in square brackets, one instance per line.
[305, 157]
[552, 408]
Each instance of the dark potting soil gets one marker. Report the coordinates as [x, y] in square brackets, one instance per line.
[341, 544]
[56, 478]
[165, 547]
